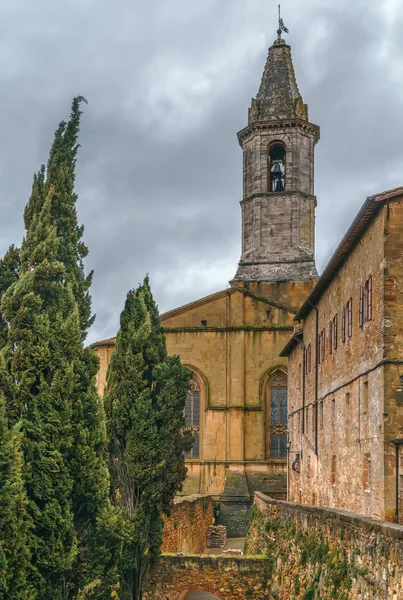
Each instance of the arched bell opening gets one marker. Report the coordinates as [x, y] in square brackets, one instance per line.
[276, 155]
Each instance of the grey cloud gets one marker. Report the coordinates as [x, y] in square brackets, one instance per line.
[160, 172]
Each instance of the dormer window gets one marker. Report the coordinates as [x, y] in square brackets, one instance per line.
[276, 167]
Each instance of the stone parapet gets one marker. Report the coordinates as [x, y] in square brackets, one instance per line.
[323, 552]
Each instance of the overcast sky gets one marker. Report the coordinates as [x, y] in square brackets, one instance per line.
[169, 83]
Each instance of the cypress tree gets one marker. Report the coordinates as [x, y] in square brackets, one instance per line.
[49, 379]
[9, 266]
[14, 520]
[145, 400]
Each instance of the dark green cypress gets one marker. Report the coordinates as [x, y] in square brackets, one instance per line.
[145, 400]
[9, 267]
[49, 381]
[14, 520]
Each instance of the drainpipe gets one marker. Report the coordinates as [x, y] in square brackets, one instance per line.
[316, 375]
[397, 444]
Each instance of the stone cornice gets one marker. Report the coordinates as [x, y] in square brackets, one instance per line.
[279, 126]
[226, 329]
[270, 195]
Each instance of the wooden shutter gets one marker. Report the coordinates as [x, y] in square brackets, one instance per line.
[331, 337]
[350, 317]
[361, 312]
[309, 357]
[343, 324]
[369, 299]
[335, 331]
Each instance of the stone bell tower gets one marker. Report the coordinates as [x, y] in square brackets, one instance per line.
[278, 206]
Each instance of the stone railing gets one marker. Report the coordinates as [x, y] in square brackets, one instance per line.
[325, 553]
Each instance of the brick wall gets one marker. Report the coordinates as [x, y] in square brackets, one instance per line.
[349, 415]
[323, 553]
[186, 528]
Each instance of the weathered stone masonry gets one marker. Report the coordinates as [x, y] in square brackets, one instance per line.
[327, 554]
[187, 527]
[229, 578]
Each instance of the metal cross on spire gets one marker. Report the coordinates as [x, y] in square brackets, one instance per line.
[281, 26]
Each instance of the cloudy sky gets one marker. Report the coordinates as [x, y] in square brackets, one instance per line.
[169, 83]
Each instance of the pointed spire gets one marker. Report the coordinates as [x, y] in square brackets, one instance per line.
[278, 96]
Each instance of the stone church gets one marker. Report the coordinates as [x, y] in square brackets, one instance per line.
[231, 340]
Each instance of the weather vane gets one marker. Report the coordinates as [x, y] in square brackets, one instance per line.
[281, 25]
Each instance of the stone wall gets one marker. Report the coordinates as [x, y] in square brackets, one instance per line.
[187, 527]
[327, 554]
[227, 577]
[352, 412]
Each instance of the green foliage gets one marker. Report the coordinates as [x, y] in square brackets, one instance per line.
[48, 380]
[9, 266]
[145, 399]
[14, 521]
[309, 594]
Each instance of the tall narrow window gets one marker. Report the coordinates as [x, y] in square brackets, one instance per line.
[361, 310]
[365, 397]
[276, 168]
[343, 324]
[331, 337]
[192, 417]
[335, 331]
[309, 361]
[368, 284]
[333, 469]
[350, 317]
[278, 416]
[367, 472]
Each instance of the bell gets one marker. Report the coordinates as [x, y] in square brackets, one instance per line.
[276, 168]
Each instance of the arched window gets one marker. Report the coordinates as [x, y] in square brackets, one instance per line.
[192, 417]
[277, 396]
[276, 168]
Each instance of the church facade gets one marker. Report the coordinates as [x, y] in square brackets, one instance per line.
[231, 340]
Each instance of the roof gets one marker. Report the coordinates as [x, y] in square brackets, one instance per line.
[278, 96]
[108, 342]
[211, 298]
[356, 230]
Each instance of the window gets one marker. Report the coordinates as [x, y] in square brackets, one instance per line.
[321, 344]
[368, 291]
[331, 337]
[321, 415]
[365, 397]
[350, 317]
[343, 324]
[307, 419]
[333, 469]
[276, 168]
[192, 417]
[333, 414]
[278, 416]
[309, 357]
[299, 376]
[335, 331]
[204, 323]
[366, 302]
[367, 475]
[347, 407]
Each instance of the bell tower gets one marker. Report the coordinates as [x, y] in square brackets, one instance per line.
[278, 205]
